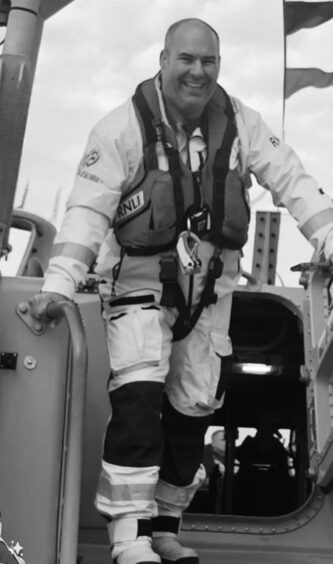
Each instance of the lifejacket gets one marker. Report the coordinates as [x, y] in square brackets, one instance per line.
[152, 214]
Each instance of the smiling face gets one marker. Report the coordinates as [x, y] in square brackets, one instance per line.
[190, 65]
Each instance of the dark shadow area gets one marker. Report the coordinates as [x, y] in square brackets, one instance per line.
[265, 474]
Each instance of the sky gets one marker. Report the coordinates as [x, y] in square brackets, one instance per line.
[95, 52]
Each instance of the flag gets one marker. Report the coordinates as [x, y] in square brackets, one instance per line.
[299, 15]
[296, 79]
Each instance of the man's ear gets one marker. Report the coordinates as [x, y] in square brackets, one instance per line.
[163, 58]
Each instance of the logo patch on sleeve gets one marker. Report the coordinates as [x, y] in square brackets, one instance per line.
[90, 158]
[274, 140]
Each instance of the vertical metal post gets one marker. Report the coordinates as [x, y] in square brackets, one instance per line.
[17, 68]
[266, 246]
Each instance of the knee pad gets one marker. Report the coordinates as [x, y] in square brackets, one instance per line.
[134, 435]
[184, 437]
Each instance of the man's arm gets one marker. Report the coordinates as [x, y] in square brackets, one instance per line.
[108, 167]
[278, 169]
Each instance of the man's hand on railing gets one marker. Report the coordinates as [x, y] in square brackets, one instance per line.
[43, 306]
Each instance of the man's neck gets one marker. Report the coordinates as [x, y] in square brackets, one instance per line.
[189, 121]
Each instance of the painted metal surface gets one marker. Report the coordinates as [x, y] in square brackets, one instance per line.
[41, 418]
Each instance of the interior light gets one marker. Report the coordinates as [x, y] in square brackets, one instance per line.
[256, 368]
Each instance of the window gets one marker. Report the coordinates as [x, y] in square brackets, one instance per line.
[19, 239]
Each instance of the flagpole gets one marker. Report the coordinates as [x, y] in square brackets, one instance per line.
[284, 69]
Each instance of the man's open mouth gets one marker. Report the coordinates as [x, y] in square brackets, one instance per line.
[197, 85]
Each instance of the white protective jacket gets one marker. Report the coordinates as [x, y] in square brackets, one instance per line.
[113, 162]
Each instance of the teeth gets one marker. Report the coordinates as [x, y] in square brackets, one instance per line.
[194, 84]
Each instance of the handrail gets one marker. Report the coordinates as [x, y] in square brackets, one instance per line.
[76, 390]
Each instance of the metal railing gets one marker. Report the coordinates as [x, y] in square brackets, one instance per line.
[69, 504]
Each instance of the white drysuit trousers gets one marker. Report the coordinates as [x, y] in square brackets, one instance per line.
[162, 395]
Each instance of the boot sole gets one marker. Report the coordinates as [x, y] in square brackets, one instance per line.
[138, 562]
[185, 560]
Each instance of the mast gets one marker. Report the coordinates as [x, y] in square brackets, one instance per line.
[284, 69]
[17, 69]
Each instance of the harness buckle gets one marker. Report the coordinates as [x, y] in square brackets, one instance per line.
[199, 222]
[187, 249]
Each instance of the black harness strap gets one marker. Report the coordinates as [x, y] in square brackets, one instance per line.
[132, 300]
[186, 322]
[176, 172]
[220, 171]
[153, 129]
[147, 116]
[171, 292]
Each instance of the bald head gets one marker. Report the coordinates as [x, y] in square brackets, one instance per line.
[190, 63]
[218, 441]
[188, 22]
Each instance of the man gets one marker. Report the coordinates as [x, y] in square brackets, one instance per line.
[264, 467]
[168, 172]
[214, 453]
[214, 464]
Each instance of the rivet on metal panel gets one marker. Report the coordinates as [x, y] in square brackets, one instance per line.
[23, 311]
[23, 307]
[305, 376]
[30, 362]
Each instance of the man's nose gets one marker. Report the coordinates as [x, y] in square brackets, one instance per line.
[197, 68]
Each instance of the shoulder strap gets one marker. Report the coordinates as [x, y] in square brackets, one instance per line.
[220, 171]
[154, 130]
[146, 114]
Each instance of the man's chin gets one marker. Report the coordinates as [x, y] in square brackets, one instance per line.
[193, 105]
[190, 92]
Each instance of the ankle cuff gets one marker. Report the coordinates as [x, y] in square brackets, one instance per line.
[124, 530]
[164, 523]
